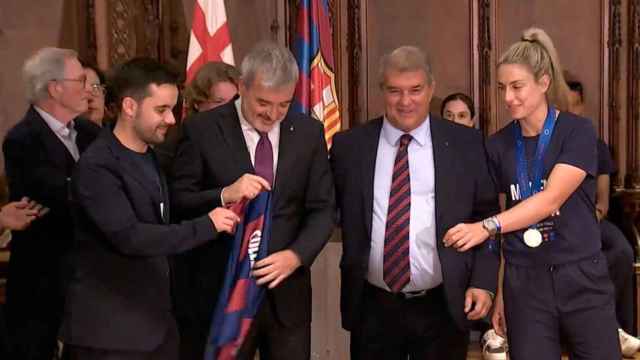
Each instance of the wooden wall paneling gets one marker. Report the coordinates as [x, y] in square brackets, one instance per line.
[576, 32]
[483, 36]
[352, 57]
[100, 10]
[613, 89]
[443, 29]
[633, 132]
[251, 21]
[337, 11]
[361, 61]
[75, 32]
[174, 36]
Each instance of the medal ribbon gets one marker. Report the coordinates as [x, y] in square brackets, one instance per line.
[531, 186]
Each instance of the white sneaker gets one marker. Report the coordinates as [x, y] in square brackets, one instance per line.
[494, 346]
[629, 345]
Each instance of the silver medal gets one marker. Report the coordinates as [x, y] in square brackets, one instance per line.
[533, 238]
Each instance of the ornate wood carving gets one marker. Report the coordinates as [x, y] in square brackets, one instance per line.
[174, 36]
[149, 34]
[275, 28]
[484, 49]
[633, 126]
[91, 54]
[133, 28]
[122, 45]
[354, 46]
[614, 45]
[335, 16]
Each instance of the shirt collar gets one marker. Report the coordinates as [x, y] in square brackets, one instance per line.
[244, 124]
[421, 135]
[54, 124]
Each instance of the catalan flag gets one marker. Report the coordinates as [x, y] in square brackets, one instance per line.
[313, 48]
[240, 297]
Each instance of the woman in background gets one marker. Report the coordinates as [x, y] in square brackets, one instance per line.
[97, 90]
[215, 84]
[459, 108]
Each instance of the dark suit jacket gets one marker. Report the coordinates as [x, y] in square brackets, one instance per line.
[39, 166]
[213, 154]
[464, 192]
[119, 294]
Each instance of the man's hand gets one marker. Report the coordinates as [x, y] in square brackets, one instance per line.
[275, 268]
[477, 303]
[18, 215]
[247, 186]
[497, 319]
[600, 213]
[465, 236]
[224, 219]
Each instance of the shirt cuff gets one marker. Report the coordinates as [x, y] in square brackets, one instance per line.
[222, 197]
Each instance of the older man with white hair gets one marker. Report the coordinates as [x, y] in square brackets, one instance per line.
[40, 154]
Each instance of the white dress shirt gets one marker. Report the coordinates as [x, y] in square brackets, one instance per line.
[251, 137]
[426, 272]
[66, 133]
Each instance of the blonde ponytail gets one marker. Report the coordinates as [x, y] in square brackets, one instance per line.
[536, 51]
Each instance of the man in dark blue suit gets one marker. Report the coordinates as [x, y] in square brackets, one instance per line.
[40, 154]
[118, 303]
[401, 181]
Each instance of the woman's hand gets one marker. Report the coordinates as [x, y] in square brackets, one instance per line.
[465, 236]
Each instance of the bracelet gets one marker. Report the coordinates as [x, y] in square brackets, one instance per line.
[498, 226]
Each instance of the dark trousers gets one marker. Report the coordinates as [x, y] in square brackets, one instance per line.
[167, 350]
[32, 335]
[619, 254]
[393, 328]
[572, 301]
[4, 336]
[274, 340]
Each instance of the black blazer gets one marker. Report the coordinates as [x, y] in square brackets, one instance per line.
[464, 192]
[119, 294]
[39, 166]
[213, 154]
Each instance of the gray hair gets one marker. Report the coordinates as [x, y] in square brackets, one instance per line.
[45, 65]
[405, 59]
[273, 62]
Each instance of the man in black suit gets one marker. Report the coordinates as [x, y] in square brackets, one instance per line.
[217, 161]
[402, 180]
[40, 154]
[118, 303]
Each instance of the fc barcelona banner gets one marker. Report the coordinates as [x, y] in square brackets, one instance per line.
[240, 297]
[316, 89]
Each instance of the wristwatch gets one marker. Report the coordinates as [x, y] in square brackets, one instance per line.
[492, 225]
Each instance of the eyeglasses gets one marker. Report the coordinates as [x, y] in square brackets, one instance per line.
[97, 89]
[82, 80]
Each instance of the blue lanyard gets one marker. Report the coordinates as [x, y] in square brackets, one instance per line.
[529, 187]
